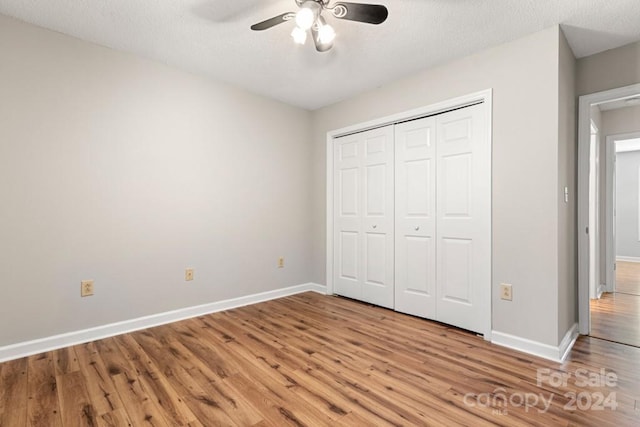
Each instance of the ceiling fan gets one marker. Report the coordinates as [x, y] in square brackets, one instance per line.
[309, 18]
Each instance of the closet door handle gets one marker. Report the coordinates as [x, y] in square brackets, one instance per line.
[417, 228]
[374, 226]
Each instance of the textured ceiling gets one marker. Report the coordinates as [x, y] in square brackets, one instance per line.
[212, 37]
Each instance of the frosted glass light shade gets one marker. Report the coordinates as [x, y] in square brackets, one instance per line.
[299, 35]
[305, 18]
[326, 34]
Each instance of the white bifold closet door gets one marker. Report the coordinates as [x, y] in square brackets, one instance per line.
[443, 218]
[415, 211]
[363, 216]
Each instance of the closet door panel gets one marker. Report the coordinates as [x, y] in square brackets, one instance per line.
[464, 218]
[378, 221]
[415, 243]
[363, 216]
[456, 185]
[347, 217]
[455, 281]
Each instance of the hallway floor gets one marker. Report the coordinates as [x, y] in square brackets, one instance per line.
[616, 316]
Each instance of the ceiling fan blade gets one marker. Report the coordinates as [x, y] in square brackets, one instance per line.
[360, 12]
[273, 21]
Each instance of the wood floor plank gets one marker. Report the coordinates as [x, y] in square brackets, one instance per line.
[43, 407]
[13, 381]
[353, 419]
[115, 418]
[2, 397]
[266, 359]
[102, 392]
[310, 360]
[278, 388]
[211, 350]
[209, 408]
[155, 383]
[616, 317]
[75, 406]
[336, 397]
[362, 400]
[65, 360]
[628, 277]
[184, 371]
[409, 401]
[279, 407]
[140, 407]
[3, 392]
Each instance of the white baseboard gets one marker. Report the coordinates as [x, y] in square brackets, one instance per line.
[568, 341]
[546, 351]
[627, 258]
[28, 348]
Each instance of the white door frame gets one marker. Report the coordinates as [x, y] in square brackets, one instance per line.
[594, 212]
[610, 243]
[484, 96]
[584, 136]
[610, 205]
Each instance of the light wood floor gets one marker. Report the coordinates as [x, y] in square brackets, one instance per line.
[308, 360]
[616, 316]
[628, 277]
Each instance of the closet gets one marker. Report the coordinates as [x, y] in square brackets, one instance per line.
[412, 217]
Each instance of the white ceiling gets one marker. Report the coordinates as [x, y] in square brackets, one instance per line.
[212, 37]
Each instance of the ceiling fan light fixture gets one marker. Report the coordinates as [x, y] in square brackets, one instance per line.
[309, 18]
[323, 35]
[307, 15]
[299, 35]
[326, 34]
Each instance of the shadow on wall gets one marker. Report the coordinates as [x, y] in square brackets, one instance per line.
[601, 40]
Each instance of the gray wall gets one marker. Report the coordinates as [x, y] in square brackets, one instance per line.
[608, 70]
[125, 171]
[627, 170]
[524, 75]
[621, 120]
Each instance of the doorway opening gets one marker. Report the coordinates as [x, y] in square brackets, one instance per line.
[615, 314]
[609, 215]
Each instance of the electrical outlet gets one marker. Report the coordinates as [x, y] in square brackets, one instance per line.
[281, 262]
[188, 274]
[86, 288]
[505, 292]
